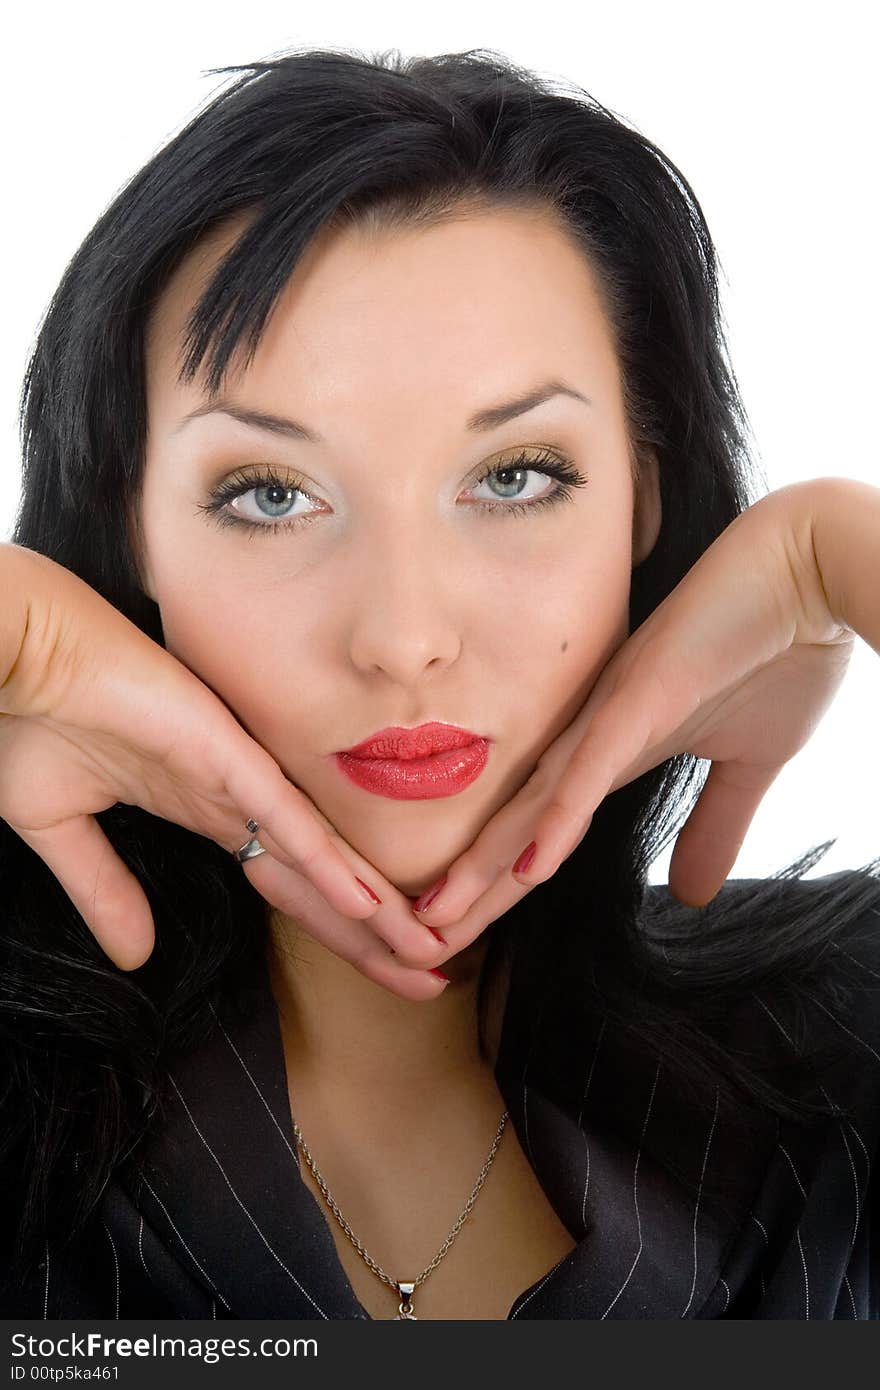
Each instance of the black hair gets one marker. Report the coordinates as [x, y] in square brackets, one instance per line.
[296, 142]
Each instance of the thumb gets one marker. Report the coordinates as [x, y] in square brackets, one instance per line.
[712, 836]
[102, 888]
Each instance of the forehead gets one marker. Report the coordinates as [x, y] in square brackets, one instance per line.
[476, 294]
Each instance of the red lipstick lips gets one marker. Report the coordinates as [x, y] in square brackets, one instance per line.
[416, 764]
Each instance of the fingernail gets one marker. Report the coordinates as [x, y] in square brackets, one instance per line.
[429, 895]
[525, 858]
[439, 974]
[436, 933]
[368, 890]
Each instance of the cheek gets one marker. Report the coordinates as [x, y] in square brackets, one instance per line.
[244, 648]
[578, 618]
[221, 617]
[577, 612]
[589, 632]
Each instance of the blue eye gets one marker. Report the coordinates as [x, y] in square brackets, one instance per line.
[278, 497]
[270, 492]
[509, 481]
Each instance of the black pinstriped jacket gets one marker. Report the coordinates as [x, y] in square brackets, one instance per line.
[214, 1221]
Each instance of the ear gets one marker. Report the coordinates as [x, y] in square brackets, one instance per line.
[647, 508]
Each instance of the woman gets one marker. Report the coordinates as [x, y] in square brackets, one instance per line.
[445, 345]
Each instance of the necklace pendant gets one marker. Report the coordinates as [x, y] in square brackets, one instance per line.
[405, 1308]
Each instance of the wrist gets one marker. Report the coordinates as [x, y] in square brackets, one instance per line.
[14, 611]
[29, 582]
[845, 529]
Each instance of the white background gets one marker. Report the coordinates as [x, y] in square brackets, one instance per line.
[766, 108]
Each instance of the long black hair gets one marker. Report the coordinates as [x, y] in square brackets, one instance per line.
[296, 141]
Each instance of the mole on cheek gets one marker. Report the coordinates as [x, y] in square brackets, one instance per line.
[565, 646]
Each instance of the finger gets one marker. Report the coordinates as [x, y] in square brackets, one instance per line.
[557, 817]
[101, 887]
[712, 836]
[502, 893]
[614, 743]
[289, 829]
[352, 940]
[416, 945]
[483, 862]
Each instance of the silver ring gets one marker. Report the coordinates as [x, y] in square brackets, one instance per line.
[248, 851]
[251, 848]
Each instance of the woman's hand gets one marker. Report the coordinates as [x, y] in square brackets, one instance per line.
[93, 712]
[737, 665]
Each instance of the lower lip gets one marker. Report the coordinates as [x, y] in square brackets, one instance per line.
[418, 779]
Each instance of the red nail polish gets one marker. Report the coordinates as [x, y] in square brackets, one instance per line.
[367, 889]
[436, 933]
[439, 973]
[525, 858]
[428, 896]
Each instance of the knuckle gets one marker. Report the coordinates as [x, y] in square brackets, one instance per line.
[535, 786]
[364, 955]
[308, 858]
[420, 955]
[565, 817]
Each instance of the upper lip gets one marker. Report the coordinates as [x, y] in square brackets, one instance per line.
[420, 742]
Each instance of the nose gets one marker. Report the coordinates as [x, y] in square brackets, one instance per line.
[405, 614]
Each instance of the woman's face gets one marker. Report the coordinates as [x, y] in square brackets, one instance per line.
[394, 573]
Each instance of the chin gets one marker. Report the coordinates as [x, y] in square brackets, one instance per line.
[414, 883]
[409, 875]
[422, 846]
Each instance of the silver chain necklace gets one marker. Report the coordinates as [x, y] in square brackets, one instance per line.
[404, 1287]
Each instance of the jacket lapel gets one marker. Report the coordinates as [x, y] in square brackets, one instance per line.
[219, 1180]
[646, 1247]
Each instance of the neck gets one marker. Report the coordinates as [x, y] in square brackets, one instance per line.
[355, 1036]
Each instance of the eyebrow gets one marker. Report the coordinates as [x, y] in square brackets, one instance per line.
[480, 423]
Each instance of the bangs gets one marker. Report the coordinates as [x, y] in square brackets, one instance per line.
[232, 312]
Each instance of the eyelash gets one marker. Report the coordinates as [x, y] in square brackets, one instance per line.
[241, 482]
